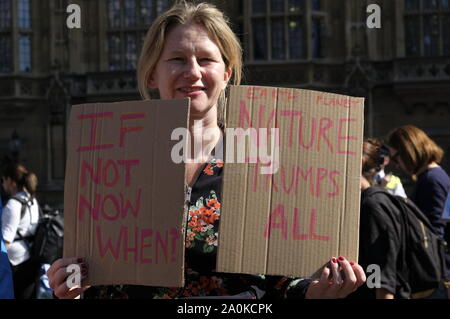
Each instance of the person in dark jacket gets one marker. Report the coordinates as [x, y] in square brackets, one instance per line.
[380, 233]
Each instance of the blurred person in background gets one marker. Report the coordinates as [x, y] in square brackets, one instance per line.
[18, 229]
[380, 241]
[419, 156]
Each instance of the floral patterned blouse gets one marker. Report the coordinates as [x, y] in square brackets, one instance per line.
[201, 280]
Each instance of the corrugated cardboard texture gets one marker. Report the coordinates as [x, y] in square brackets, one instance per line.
[123, 188]
[292, 222]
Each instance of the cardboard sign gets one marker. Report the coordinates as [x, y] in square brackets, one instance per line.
[124, 196]
[293, 220]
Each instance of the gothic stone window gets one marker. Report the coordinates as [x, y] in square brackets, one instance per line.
[128, 21]
[6, 61]
[282, 30]
[15, 23]
[24, 27]
[427, 27]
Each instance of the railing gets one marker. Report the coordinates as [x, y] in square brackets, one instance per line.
[421, 69]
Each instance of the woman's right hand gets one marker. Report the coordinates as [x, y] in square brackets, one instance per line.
[58, 273]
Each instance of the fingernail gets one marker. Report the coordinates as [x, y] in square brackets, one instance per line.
[352, 263]
[341, 258]
[334, 260]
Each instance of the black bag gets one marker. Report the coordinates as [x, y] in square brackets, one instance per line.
[423, 250]
[46, 245]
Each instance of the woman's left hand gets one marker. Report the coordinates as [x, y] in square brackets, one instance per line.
[346, 277]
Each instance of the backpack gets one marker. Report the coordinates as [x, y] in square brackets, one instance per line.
[423, 250]
[46, 245]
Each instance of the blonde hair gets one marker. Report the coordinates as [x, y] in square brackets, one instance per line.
[181, 13]
[414, 147]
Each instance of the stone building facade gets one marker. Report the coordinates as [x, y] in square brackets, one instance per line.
[402, 68]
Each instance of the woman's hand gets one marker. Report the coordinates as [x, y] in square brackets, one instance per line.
[58, 273]
[335, 282]
[364, 183]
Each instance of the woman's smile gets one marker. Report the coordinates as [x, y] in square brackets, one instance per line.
[192, 91]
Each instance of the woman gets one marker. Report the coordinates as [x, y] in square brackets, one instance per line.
[190, 51]
[419, 156]
[380, 231]
[18, 224]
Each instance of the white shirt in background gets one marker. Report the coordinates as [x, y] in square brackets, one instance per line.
[394, 186]
[18, 251]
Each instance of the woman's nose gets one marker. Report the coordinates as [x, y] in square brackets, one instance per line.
[192, 70]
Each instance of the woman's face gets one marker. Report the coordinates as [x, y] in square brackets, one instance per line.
[8, 185]
[397, 160]
[191, 65]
